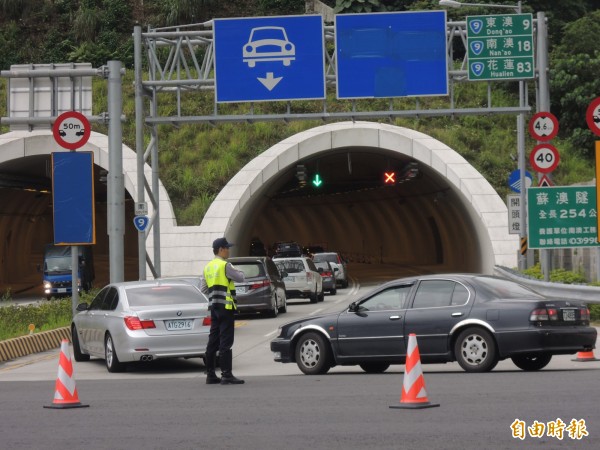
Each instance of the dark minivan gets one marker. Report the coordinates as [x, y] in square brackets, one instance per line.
[263, 290]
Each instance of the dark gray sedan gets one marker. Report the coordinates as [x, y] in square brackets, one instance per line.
[473, 319]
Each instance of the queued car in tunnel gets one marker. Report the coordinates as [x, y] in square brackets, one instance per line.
[335, 258]
[328, 273]
[301, 278]
[476, 320]
[136, 321]
[263, 290]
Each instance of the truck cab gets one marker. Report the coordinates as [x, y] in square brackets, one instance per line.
[57, 270]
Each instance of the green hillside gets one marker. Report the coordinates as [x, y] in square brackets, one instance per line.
[196, 161]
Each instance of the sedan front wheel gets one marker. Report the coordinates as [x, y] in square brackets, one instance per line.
[475, 350]
[313, 354]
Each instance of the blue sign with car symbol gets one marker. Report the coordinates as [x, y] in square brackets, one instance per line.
[399, 54]
[269, 58]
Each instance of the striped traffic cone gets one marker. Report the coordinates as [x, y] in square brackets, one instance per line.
[585, 357]
[414, 395]
[65, 393]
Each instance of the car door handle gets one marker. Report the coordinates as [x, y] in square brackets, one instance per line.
[395, 317]
[457, 314]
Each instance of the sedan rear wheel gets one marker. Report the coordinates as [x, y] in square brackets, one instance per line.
[77, 354]
[374, 367]
[313, 354]
[314, 297]
[283, 308]
[532, 362]
[274, 307]
[475, 350]
[110, 356]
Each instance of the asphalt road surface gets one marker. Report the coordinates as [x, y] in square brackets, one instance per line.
[167, 405]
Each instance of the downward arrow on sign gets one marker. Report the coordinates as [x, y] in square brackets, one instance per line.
[270, 82]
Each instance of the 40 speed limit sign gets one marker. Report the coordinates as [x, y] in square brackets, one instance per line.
[544, 158]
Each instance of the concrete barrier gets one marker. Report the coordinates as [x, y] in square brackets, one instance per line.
[33, 343]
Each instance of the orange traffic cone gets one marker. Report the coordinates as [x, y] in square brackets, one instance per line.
[585, 356]
[65, 393]
[414, 395]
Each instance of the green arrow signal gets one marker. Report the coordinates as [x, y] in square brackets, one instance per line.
[317, 180]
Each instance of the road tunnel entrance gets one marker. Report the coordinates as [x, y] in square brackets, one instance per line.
[442, 216]
[26, 221]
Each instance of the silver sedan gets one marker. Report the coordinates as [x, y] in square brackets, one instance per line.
[142, 321]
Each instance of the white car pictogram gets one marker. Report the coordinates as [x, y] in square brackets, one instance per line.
[268, 44]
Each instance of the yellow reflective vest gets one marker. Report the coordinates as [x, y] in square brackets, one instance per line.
[220, 288]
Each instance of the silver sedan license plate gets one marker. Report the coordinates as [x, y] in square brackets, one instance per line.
[568, 314]
[176, 325]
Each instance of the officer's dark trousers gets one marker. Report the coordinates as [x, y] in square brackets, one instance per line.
[220, 338]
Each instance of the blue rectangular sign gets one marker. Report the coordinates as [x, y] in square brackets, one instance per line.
[269, 58]
[73, 198]
[400, 54]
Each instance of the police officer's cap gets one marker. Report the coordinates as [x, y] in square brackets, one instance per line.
[221, 243]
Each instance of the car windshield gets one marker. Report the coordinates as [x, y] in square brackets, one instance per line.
[268, 33]
[251, 270]
[329, 257]
[291, 266]
[499, 288]
[163, 295]
[61, 264]
[323, 264]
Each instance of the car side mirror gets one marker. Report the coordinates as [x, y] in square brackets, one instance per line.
[336, 269]
[320, 270]
[82, 307]
[353, 307]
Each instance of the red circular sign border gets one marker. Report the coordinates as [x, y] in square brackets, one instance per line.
[589, 116]
[551, 135]
[71, 145]
[534, 165]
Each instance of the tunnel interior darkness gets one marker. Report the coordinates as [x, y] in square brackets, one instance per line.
[420, 222]
[26, 225]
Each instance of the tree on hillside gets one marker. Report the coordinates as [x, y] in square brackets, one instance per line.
[574, 80]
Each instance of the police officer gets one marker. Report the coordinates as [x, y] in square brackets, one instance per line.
[218, 285]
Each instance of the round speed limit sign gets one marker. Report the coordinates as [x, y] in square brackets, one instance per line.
[544, 158]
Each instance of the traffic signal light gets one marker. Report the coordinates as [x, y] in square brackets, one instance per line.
[317, 181]
[301, 174]
[389, 177]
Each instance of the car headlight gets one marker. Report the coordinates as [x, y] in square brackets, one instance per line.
[47, 285]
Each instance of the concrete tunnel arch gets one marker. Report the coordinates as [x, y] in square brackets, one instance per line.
[473, 233]
[471, 229]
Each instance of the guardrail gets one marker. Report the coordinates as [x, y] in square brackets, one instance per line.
[590, 294]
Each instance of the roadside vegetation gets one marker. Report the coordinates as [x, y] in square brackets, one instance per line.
[47, 315]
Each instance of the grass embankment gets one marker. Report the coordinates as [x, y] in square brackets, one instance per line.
[48, 315]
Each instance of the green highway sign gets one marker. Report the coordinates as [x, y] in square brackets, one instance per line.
[562, 217]
[500, 47]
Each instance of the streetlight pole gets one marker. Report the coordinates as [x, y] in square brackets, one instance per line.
[520, 132]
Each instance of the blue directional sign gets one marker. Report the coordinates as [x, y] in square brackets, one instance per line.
[73, 198]
[398, 54]
[269, 58]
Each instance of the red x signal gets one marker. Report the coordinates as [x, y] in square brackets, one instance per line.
[389, 177]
